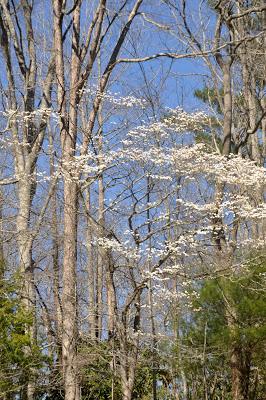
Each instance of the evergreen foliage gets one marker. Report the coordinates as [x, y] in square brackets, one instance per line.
[241, 297]
[17, 353]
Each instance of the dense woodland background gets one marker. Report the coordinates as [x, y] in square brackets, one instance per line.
[132, 246]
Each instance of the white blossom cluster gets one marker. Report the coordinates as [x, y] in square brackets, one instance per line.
[242, 183]
[120, 249]
[182, 121]
[115, 98]
[26, 116]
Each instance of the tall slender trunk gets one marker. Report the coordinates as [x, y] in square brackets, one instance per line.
[56, 269]
[69, 294]
[129, 348]
[111, 296]
[128, 360]
[55, 256]
[250, 97]
[220, 238]
[154, 365]
[101, 259]
[235, 362]
[240, 357]
[249, 85]
[263, 124]
[227, 125]
[26, 263]
[91, 273]
[178, 339]
[68, 127]
[251, 106]
[2, 257]
[255, 153]
[69, 297]
[102, 269]
[150, 300]
[105, 268]
[263, 101]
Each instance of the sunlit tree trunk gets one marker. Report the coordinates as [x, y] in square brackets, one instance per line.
[249, 86]
[26, 263]
[68, 127]
[55, 255]
[129, 347]
[101, 259]
[91, 271]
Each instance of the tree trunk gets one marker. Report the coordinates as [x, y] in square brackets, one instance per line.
[236, 373]
[101, 256]
[249, 86]
[111, 296]
[91, 274]
[129, 348]
[100, 260]
[127, 392]
[68, 127]
[239, 356]
[55, 256]
[26, 264]
[69, 300]
[127, 378]
[227, 126]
